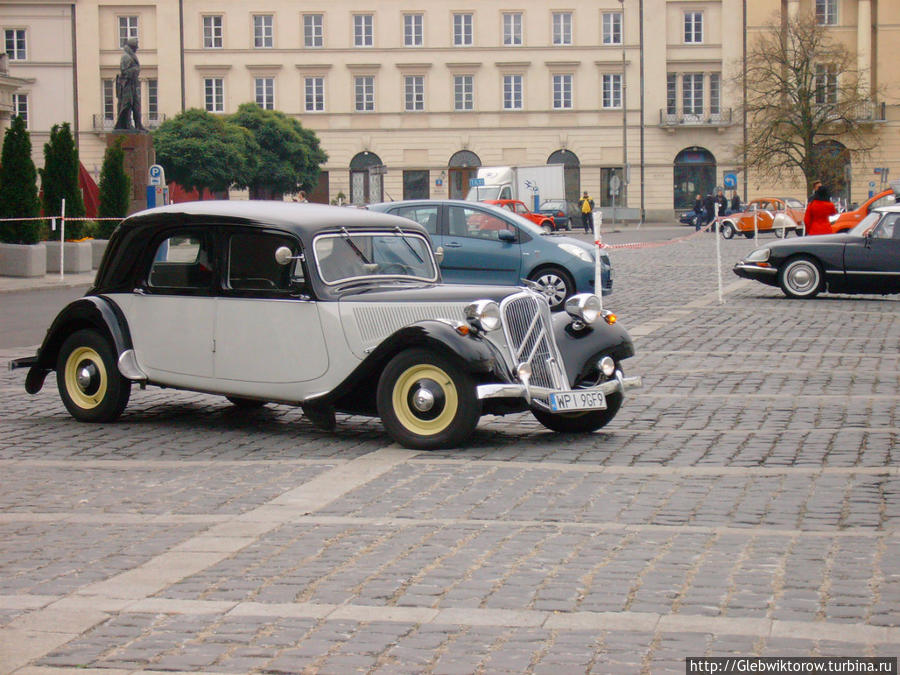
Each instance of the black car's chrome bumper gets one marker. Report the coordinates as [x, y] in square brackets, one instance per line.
[529, 392]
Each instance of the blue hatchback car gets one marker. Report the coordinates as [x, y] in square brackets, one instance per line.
[484, 244]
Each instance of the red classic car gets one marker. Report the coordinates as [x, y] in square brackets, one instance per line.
[543, 221]
[780, 215]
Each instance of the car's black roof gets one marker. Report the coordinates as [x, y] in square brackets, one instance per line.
[301, 218]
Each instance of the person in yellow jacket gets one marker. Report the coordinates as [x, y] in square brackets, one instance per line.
[587, 212]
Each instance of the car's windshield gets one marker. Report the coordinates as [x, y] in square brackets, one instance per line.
[866, 224]
[345, 255]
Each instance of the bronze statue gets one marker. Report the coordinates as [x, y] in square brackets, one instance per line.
[128, 88]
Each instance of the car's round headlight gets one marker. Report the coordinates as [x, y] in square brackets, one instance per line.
[577, 251]
[607, 366]
[484, 315]
[585, 307]
[759, 255]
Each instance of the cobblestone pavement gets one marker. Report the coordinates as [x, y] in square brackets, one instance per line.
[743, 502]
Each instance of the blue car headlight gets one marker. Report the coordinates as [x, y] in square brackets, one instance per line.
[577, 251]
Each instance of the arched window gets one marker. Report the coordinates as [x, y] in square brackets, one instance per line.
[366, 171]
[462, 166]
[695, 174]
[572, 171]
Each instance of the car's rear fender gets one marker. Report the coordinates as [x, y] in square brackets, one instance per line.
[95, 312]
[474, 354]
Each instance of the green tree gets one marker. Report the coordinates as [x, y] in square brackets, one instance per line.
[59, 179]
[115, 189]
[18, 187]
[288, 156]
[807, 109]
[203, 151]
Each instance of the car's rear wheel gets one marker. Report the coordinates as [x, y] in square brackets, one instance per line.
[546, 227]
[89, 381]
[580, 422]
[427, 400]
[801, 277]
[556, 285]
[780, 232]
[246, 403]
[727, 230]
[749, 235]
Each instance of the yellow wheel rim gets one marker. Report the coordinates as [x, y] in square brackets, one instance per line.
[85, 378]
[410, 381]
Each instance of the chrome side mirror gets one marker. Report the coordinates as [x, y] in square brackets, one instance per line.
[283, 255]
[439, 255]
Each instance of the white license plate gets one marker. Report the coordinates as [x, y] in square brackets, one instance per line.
[563, 401]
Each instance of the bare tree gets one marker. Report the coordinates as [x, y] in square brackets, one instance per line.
[807, 107]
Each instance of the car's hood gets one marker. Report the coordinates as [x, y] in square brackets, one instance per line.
[802, 243]
[429, 293]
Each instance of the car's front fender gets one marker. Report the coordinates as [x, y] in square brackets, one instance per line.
[581, 349]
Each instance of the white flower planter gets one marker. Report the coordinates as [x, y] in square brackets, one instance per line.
[23, 260]
[77, 257]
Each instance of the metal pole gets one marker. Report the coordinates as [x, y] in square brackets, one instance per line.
[755, 230]
[598, 264]
[624, 118]
[62, 240]
[718, 251]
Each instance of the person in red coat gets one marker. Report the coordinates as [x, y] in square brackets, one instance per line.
[817, 211]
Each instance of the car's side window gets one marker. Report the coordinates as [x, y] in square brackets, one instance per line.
[887, 200]
[252, 265]
[466, 222]
[520, 208]
[888, 228]
[426, 216]
[182, 261]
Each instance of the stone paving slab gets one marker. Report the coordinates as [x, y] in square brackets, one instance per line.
[743, 502]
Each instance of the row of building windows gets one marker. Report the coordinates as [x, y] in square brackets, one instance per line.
[414, 30]
[151, 99]
[413, 93]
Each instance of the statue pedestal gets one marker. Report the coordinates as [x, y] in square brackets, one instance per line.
[139, 156]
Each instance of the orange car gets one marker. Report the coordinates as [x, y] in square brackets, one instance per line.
[850, 219]
[546, 223]
[765, 211]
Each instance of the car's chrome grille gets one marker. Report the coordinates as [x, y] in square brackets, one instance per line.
[377, 321]
[529, 336]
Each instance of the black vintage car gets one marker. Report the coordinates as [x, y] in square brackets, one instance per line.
[328, 308]
[864, 260]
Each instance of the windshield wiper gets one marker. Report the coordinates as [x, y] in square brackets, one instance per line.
[408, 245]
[346, 237]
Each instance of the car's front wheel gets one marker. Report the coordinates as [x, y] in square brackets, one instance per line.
[556, 285]
[800, 277]
[547, 227]
[89, 381]
[427, 401]
[580, 422]
[727, 230]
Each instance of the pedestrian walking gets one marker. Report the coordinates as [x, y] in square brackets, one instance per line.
[587, 212]
[722, 201]
[698, 212]
[817, 212]
[736, 203]
[709, 205]
[815, 186]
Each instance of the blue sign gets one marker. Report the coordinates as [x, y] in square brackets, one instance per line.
[729, 180]
[476, 182]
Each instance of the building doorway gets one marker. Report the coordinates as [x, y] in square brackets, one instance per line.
[572, 172]
[462, 167]
[695, 174]
[366, 173]
[832, 161]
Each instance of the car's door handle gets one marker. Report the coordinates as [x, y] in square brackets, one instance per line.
[453, 244]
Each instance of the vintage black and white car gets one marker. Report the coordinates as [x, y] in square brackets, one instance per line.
[332, 309]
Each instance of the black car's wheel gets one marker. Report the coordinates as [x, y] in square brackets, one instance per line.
[246, 403]
[800, 277]
[89, 381]
[427, 401]
[727, 230]
[556, 285]
[580, 422]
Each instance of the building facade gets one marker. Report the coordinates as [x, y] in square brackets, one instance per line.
[408, 100]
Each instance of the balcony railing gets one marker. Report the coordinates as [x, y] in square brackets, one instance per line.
[871, 111]
[103, 123]
[704, 119]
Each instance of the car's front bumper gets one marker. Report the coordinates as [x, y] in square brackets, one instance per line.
[533, 394]
[767, 275]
